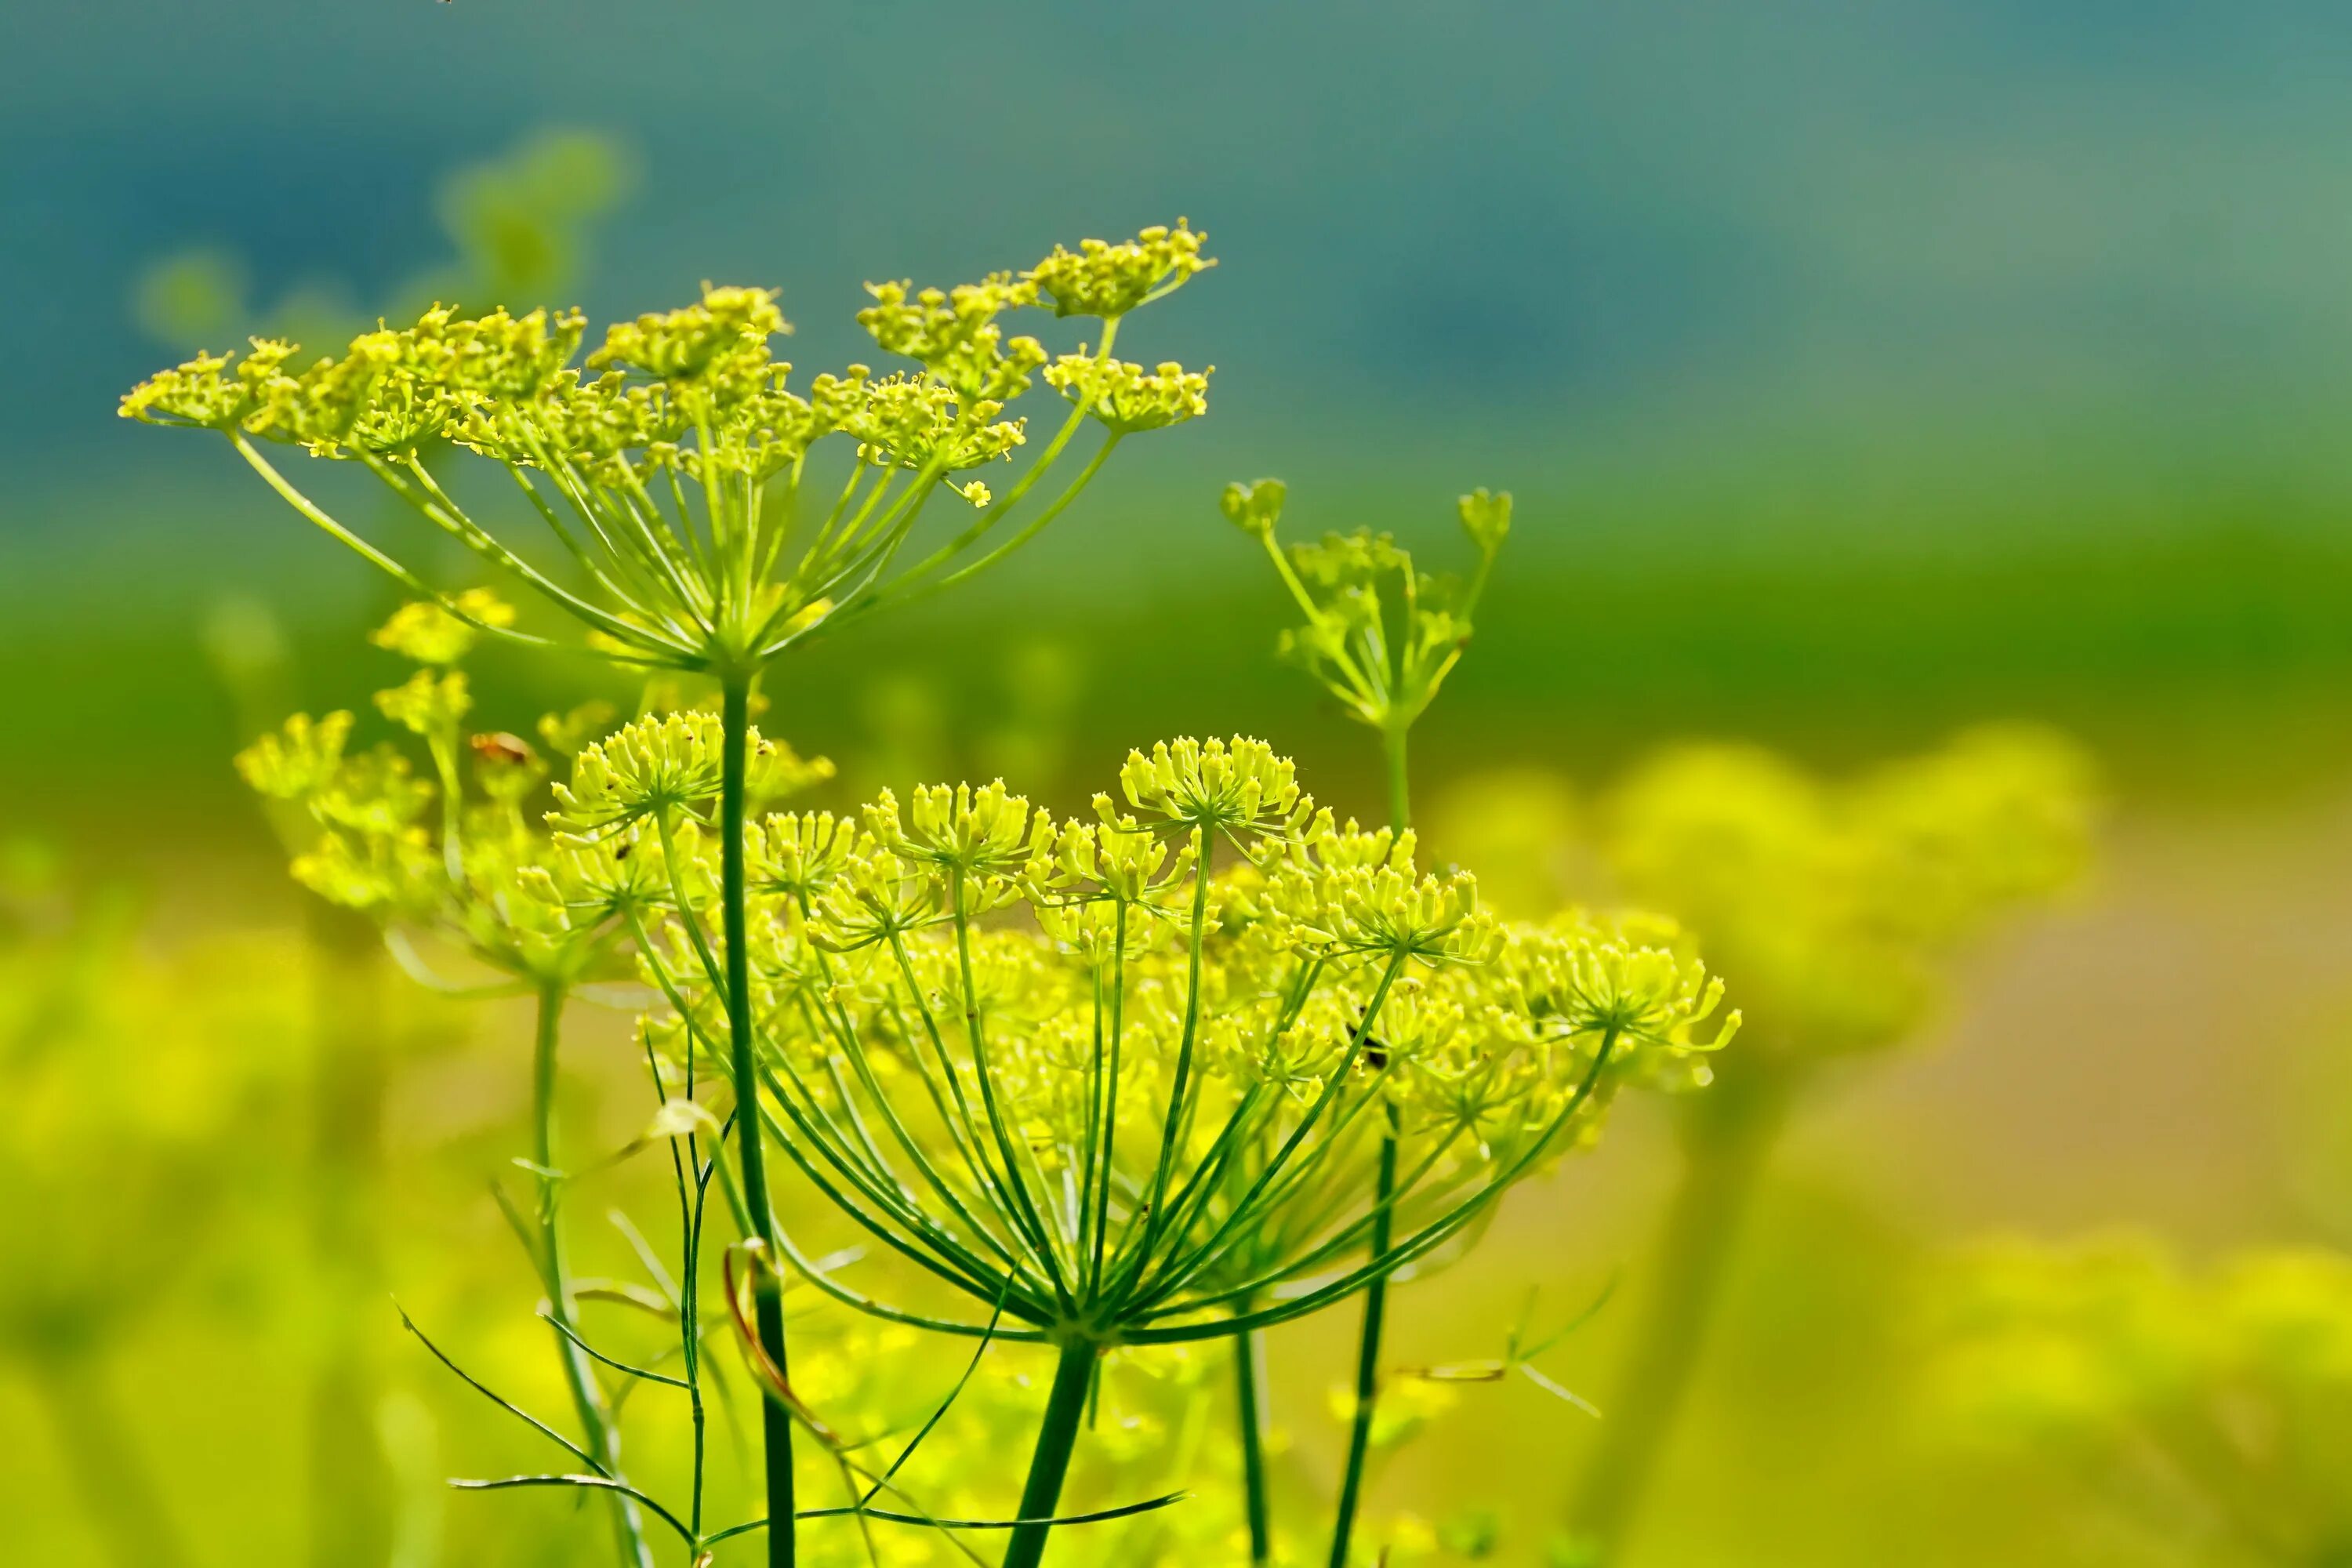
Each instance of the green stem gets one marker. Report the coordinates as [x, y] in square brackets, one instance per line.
[1393, 750]
[767, 1283]
[1066, 1409]
[1367, 1352]
[587, 1398]
[1376, 1294]
[1726, 1144]
[1249, 1374]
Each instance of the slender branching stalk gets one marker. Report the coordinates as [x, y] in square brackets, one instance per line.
[1376, 1294]
[1381, 639]
[598, 1434]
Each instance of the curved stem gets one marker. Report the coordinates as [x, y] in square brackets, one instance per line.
[587, 1399]
[1724, 1147]
[1065, 1408]
[768, 1300]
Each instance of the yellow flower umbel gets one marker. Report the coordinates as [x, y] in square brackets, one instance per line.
[1124, 1098]
[667, 464]
[2217, 1404]
[1380, 636]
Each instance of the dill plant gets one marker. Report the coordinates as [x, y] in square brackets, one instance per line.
[1379, 637]
[1841, 906]
[1206, 1061]
[667, 470]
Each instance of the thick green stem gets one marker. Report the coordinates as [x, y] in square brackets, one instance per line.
[1368, 1353]
[1249, 1385]
[1376, 1294]
[1065, 1408]
[1726, 1144]
[767, 1283]
[587, 1398]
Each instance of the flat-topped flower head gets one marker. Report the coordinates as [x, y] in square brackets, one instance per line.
[799, 854]
[666, 465]
[1638, 996]
[429, 634]
[1839, 902]
[954, 334]
[197, 394]
[428, 703]
[911, 422]
[1235, 789]
[662, 764]
[963, 831]
[385, 874]
[298, 760]
[1126, 398]
[1100, 279]
[1255, 508]
[722, 339]
[671, 765]
[1140, 1086]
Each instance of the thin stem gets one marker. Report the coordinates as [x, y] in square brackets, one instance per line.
[1726, 1145]
[767, 1288]
[1376, 1293]
[1367, 1352]
[1066, 1409]
[587, 1398]
[1393, 754]
[1249, 1379]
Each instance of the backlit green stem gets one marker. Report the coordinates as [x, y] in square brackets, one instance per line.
[1249, 1385]
[587, 1398]
[1049, 1464]
[1376, 1294]
[1726, 1144]
[767, 1283]
[1367, 1352]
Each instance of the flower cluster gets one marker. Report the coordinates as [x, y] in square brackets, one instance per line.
[1079, 1067]
[666, 462]
[558, 901]
[1835, 904]
[1380, 636]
